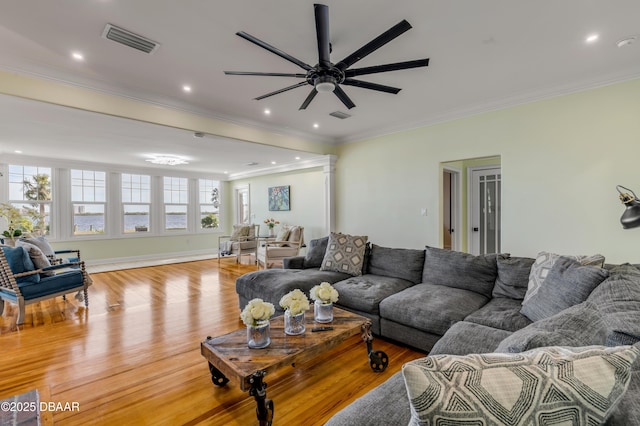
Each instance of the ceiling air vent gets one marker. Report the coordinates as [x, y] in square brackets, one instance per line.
[122, 36]
[339, 114]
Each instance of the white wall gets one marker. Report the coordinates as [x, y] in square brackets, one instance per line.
[307, 200]
[561, 160]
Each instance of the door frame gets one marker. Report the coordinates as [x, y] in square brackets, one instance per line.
[456, 210]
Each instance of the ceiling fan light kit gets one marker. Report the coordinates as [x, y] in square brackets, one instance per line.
[327, 76]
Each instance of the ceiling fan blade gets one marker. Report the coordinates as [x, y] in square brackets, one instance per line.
[384, 38]
[303, 83]
[272, 74]
[343, 97]
[387, 67]
[275, 50]
[322, 33]
[372, 86]
[307, 101]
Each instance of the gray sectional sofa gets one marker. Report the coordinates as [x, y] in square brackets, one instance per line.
[445, 302]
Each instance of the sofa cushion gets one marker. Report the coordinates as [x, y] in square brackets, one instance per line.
[567, 284]
[513, 277]
[19, 262]
[429, 307]
[384, 405]
[42, 243]
[460, 270]
[315, 252]
[364, 293]
[465, 338]
[552, 385]
[271, 284]
[545, 261]
[345, 253]
[502, 313]
[618, 297]
[407, 264]
[37, 257]
[580, 325]
[48, 285]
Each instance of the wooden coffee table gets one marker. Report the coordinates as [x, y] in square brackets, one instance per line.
[230, 358]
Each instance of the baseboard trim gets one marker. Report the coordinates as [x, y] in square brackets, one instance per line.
[115, 264]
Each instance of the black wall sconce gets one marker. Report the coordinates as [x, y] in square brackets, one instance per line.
[631, 216]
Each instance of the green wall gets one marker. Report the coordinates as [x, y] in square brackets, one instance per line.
[561, 160]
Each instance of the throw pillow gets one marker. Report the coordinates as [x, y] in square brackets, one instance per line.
[37, 257]
[618, 297]
[315, 252]
[513, 277]
[42, 243]
[283, 234]
[19, 262]
[240, 231]
[295, 234]
[554, 385]
[460, 270]
[580, 325]
[545, 261]
[345, 253]
[567, 284]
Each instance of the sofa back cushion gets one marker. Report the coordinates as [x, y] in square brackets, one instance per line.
[460, 270]
[579, 325]
[567, 284]
[407, 264]
[545, 261]
[513, 277]
[19, 262]
[618, 297]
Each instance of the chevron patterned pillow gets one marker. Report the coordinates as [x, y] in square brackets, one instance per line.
[546, 386]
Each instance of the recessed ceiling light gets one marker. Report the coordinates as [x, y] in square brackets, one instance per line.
[297, 158]
[592, 38]
[626, 41]
[186, 88]
[267, 111]
[77, 56]
[226, 172]
[316, 125]
[167, 160]
[17, 151]
[273, 162]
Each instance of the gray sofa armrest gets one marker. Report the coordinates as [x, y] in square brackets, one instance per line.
[296, 262]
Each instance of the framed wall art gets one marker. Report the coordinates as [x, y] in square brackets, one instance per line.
[279, 199]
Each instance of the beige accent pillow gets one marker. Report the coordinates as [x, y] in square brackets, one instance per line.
[240, 231]
[295, 234]
[283, 234]
[37, 257]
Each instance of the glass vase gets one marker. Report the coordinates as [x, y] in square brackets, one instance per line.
[259, 335]
[294, 324]
[322, 311]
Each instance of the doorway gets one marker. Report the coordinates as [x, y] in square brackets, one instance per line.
[242, 204]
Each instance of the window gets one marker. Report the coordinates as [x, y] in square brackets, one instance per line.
[136, 203]
[30, 192]
[176, 199]
[88, 195]
[209, 198]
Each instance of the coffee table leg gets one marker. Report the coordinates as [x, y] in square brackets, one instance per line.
[378, 360]
[264, 408]
[217, 377]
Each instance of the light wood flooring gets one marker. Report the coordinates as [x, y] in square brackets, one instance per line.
[133, 357]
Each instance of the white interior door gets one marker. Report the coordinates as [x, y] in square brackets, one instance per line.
[485, 210]
[243, 205]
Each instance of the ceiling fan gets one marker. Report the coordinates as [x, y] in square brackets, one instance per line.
[327, 76]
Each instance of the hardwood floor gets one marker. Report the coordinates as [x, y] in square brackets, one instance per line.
[133, 357]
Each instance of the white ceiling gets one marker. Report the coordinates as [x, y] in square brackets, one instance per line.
[483, 55]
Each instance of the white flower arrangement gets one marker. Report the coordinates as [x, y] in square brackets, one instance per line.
[295, 301]
[257, 310]
[324, 293]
